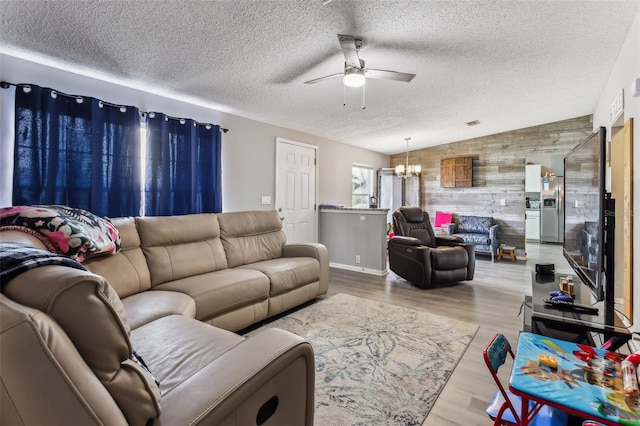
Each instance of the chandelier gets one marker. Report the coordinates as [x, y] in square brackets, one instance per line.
[407, 170]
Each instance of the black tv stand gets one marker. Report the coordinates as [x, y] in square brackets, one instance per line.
[572, 325]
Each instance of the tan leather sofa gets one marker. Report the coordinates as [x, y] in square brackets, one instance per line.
[173, 295]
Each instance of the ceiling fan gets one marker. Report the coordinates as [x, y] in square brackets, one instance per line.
[355, 73]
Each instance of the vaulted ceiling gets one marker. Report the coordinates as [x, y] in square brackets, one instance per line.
[507, 64]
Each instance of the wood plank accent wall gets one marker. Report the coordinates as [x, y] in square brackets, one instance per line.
[498, 172]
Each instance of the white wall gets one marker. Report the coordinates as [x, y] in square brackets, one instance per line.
[625, 71]
[248, 152]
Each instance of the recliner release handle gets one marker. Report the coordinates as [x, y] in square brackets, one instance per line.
[266, 411]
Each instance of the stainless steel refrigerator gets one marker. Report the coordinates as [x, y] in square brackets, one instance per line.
[552, 210]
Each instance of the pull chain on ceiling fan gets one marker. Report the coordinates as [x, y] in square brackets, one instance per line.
[344, 95]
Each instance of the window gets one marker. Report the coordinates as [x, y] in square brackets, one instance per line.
[361, 186]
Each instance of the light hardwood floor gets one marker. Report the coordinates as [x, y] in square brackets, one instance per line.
[492, 301]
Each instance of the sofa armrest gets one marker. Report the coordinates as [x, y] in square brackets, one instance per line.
[405, 241]
[272, 365]
[447, 240]
[316, 251]
[22, 237]
[493, 235]
[411, 260]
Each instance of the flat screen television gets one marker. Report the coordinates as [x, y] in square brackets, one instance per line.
[586, 224]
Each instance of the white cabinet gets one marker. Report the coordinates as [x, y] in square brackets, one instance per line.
[532, 225]
[532, 178]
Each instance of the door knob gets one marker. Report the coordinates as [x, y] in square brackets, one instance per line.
[281, 217]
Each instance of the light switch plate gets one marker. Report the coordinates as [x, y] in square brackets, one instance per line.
[266, 200]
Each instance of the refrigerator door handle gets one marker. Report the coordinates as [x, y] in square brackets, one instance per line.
[560, 200]
[560, 197]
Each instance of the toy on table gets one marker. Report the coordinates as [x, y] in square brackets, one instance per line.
[629, 378]
[630, 374]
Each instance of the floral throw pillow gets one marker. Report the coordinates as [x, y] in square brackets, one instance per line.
[73, 232]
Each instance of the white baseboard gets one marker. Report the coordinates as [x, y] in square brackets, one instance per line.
[377, 272]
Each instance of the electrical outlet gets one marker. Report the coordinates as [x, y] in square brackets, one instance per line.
[357, 258]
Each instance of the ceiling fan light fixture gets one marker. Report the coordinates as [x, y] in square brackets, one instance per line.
[353, 77]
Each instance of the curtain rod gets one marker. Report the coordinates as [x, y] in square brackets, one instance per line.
[6, 85]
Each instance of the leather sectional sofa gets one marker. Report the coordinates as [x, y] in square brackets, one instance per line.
[146, 334]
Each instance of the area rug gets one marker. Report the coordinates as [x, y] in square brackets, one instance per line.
[377, 363]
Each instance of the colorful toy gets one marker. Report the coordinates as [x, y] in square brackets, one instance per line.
[629, 378]
[548, 360]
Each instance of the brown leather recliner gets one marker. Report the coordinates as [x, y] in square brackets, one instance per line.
[424, 259]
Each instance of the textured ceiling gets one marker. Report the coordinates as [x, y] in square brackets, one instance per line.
[508, 64]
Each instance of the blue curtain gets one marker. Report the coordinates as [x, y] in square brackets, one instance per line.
[183, 166]
[77, 151]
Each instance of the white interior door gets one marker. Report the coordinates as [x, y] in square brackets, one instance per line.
[296, 190]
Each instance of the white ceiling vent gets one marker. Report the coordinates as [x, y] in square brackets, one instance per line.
[472, 123]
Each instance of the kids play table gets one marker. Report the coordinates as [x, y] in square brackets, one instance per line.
[579, 379]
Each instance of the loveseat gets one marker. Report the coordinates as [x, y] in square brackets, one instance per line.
[146, 334]
[481, 231]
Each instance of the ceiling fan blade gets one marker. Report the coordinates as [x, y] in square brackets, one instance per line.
[350, 51]
[388, 75]
[326, 77]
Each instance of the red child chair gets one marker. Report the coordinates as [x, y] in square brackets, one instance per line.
[504, 407]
